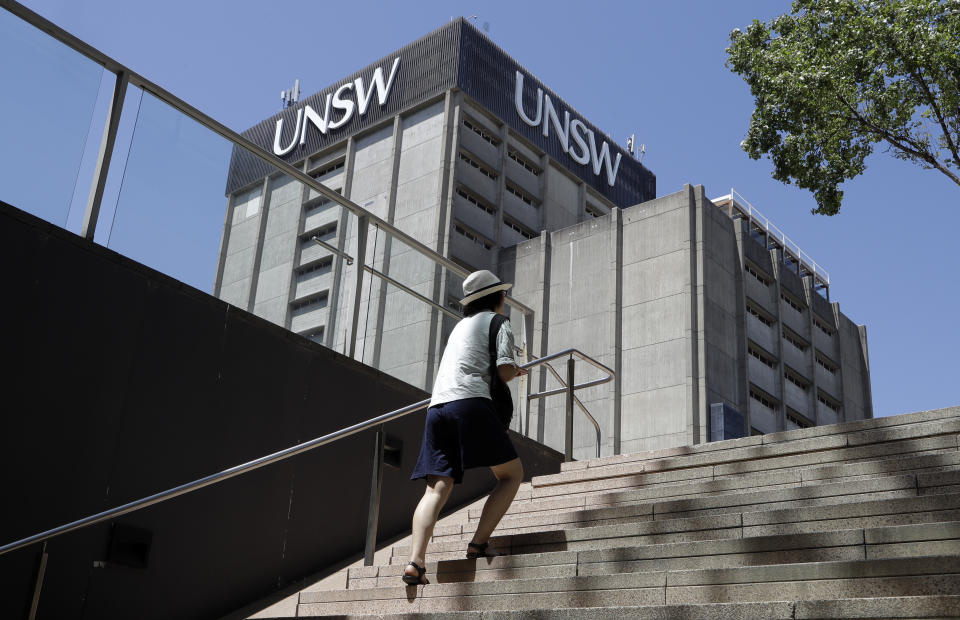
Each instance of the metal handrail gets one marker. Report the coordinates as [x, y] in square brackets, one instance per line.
[237, 470]
[743, 205]
[576, 399]
[135, 79]
[572, 398]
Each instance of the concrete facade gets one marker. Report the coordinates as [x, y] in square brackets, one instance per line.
[665, 293]
[653, 288]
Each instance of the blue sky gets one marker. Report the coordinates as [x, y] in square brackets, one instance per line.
[651, 68]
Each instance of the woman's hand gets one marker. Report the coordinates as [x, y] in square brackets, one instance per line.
[508, 372]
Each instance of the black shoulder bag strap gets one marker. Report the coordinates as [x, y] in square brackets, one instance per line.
[499, 392]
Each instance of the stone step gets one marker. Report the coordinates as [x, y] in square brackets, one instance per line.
[859, 544]
[817, 518]
[794, 496]
[877, 608]
[927, 438]
[861, 608]
[890, 422]
[925, 576]
[928, 464]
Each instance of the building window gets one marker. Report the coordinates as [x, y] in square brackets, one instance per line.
[307, 304]
[475, 200]
[484, 170]
[756, 274]
[796, 379]
[795, 340]
[522, 195]
[792, 303]
[823, 327]
[760, 316]
[764, 399]
[324, 233]
[828, 402]
[594, 210]
[470, 268]
[478, 129]
[319, 203]
[472, 236]
[315, 335]
[824, 362]
[799, 420]
[520, 228]
[528, 165]
[320, 267]
[327, 169]
[761, 355]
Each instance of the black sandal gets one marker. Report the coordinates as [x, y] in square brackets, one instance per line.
[482, 553]
[412, 580]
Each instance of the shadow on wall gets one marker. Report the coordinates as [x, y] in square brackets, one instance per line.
[126, 382]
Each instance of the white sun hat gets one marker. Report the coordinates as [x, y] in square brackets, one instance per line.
[480, 284]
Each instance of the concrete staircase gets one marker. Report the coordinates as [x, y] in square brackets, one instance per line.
[857, 520]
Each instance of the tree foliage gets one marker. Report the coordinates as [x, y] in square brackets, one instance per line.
[834, 78]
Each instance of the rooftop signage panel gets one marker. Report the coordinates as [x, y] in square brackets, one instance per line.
[454, 56]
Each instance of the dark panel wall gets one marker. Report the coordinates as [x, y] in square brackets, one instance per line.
[456, 54]
[488, 74]
[428, 67]
[125, 382]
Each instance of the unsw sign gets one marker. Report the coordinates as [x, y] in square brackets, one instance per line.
[575, 138]
[339, 107]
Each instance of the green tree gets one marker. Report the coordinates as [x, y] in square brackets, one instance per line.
[834, 78]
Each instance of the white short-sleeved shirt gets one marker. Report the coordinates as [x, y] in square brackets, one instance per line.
[465, 365]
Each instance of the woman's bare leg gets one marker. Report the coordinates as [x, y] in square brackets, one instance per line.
[509, 476]
[425, 517]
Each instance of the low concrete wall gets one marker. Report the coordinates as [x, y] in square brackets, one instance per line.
[126, 382]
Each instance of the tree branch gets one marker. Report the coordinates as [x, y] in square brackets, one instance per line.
[936, 110]
[898, 142]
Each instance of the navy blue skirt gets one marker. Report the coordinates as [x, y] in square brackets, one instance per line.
[460, 435]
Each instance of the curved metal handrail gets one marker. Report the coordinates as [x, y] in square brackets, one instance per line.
[572, 398]
[579, 403]
[262, 462]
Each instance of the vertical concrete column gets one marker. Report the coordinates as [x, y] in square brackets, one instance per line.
[224, 244]
[741, 230]
[336, 288]
[777, 267]
[616, 231]
[381, 286]
[544, 163]
[693, 329]
[452, 113]
[835, 306]
[503, 134]
[451, 144]
[809, 292]
[360, 259]
[543, 323]
[258, 254]
[867, 389]
[581, 201]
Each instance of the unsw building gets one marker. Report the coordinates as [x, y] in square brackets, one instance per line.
[453, 142]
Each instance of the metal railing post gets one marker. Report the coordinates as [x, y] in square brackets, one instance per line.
[38, 584]
[373, 511]
[103, 159]
[568, 425]
[361, 257]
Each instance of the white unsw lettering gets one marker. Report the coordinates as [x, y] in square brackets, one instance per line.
[340, 101]
[583, 149]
